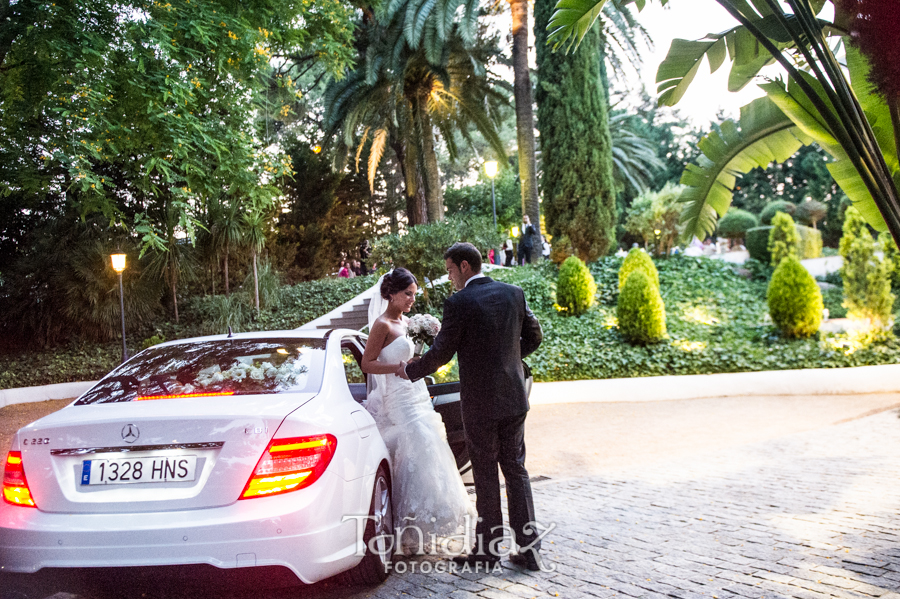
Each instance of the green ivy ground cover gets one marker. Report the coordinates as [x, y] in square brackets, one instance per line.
[716, 323]
[715, 318]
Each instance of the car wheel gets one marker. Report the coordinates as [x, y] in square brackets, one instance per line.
[375, 565]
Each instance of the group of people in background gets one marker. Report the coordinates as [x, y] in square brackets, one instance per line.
[525, 251]
[353, 267]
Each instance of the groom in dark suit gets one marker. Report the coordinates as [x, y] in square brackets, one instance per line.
[489, 326]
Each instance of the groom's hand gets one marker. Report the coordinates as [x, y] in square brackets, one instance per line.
[401, 371]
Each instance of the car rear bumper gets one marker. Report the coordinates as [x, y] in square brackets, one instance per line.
[300, 531]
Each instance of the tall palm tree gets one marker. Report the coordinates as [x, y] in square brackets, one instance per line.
[524, 114]
[399, 96]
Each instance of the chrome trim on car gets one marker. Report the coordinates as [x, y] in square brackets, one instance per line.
[89, 450]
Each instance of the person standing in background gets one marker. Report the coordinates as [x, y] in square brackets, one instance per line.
[526, 241]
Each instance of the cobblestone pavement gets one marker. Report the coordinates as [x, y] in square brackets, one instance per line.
[810, 515]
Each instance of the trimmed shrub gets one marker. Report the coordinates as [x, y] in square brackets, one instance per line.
[638, 259]
[795, 300]
[811, 212]
[757, 241]
[640, 310]
[575, 288]
[867, 278]
[736, 223]
[772, 208]
[783, 238]
[810, 242]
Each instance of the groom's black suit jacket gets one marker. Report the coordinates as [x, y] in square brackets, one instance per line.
[491, 329]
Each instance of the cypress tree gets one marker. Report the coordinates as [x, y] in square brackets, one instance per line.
[576, 150]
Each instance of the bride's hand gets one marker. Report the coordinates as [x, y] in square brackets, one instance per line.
[401, 371]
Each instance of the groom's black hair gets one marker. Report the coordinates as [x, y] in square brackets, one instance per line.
[462, 250]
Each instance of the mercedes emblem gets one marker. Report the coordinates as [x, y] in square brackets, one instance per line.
[130, 433]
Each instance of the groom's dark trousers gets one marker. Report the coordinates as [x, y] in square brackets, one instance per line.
[490, 328]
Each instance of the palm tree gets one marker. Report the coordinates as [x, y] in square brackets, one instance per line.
[524, 114]
[398, 98]
[254, 224]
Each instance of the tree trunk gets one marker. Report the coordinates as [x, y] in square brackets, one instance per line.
[175, 297]
[525, 116]
[433, 193]
[227, 290]
[416, 213]
[255, 283]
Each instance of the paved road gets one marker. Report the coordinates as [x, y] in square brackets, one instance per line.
[806, 513]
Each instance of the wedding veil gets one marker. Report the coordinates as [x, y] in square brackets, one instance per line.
[376, 382]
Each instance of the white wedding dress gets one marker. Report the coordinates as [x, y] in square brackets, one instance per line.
[429, 495]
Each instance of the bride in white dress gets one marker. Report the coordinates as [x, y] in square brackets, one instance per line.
[430, 501]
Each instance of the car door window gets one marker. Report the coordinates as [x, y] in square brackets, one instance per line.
[352, 370]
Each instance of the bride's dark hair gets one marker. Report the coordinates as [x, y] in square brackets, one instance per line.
[397, 280]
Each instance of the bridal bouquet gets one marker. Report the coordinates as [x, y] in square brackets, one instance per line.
[423, 328]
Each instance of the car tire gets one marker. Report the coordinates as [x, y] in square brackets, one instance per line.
[376, 565]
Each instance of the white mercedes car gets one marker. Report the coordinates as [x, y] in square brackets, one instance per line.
[235, 451]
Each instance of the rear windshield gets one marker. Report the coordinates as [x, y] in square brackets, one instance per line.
[214, 368]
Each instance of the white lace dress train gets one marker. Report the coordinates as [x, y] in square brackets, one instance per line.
[429, 495]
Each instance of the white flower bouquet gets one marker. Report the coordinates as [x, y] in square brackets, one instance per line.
[423, 328]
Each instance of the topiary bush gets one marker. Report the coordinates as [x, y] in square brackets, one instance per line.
[757, 241]
[811, 212]
[773, 208]
[640, 310]
[783, 238]
[810, 242]
[575, 288]
[736, 223]
[867, 277]
[638, 259]
[795, 300]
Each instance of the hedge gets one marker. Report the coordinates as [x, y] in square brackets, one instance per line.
[757, 240]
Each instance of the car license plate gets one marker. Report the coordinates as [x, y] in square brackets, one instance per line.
[139, 470]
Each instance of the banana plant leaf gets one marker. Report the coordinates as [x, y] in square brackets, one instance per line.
[764, 134]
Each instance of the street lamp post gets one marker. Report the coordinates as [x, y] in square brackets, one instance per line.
[118, 264]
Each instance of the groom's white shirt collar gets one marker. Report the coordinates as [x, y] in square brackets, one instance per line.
[472, 278]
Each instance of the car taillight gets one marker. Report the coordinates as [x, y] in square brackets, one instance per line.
[15, 487]
[290, 464]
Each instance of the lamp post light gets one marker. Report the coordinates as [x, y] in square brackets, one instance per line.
[118, 264]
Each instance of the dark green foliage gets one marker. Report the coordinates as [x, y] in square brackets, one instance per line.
[784, 240]
[638, 259]
[794, 298]
[538, 281]
[575, 288]
[576, 150]
[640, 310]
[867, 277]
[736, 223]
[421, 249]
[475, 200]
[63, 287]
[772, 208]
[809, 244]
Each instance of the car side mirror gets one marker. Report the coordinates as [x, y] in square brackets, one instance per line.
[429, 380]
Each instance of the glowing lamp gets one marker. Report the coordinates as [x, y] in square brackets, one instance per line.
[118, 262]
[490, 168]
